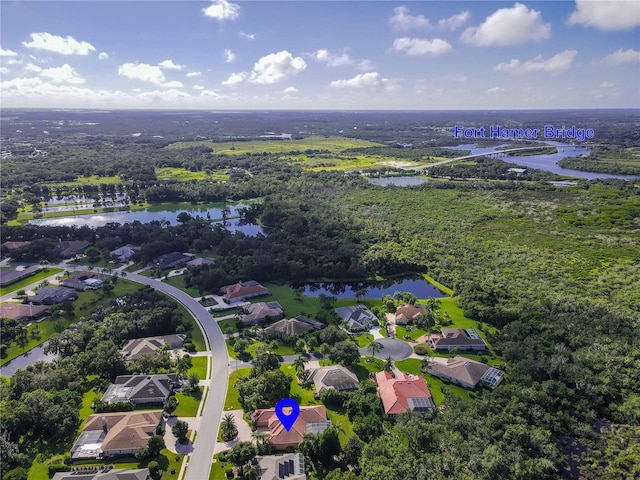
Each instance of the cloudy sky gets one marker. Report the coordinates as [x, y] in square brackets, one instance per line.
[320, 54]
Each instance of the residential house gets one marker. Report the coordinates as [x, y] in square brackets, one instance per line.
[405, 313]
[289, 466]
[84, 281]
[336, 377]
[197, 262]
[71, 248]
[403, 393]
[12, 245]
[460, 338]
[137, 347]
[141, 389]
[105, 474]
[256, 313]
[465, 372]
[172, 259]
[240, 291]
[9, 276]
[311, 420]
[124, 254]
[24, 313]
[314, 323]
[53, 295]
[357, 317]
[287, 328]
[115, 434]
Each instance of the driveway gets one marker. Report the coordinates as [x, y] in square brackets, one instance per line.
[244, 432]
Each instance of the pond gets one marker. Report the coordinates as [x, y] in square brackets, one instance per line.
[23, 361]
[418, 286]
[405, 181]
[162, 212]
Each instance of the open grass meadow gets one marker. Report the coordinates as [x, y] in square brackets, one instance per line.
[183, 175]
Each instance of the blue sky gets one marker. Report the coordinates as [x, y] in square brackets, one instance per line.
[320, 54]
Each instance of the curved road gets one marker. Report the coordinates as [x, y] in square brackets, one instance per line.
[202, 456]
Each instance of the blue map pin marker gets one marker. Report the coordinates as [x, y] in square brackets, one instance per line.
[287, 418]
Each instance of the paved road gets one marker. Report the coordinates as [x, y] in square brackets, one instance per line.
[202, 456]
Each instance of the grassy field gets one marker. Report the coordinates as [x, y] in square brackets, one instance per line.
[332, 144]
[199, 367]
[20, 285]
[90, 180]
[219, 469]
[232, 401]
[178, 282]
[85, 409]
[188, 403]
[184, 175]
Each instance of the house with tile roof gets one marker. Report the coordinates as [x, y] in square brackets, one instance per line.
[53, 295]
[465, 372]
[289, 466]
[312, 419]
[285, 328]
[403, 393]
[197, 262]
[259, 312]
[141, 389]
[84, 281]
[137, 347]
[23, 312]
[9, 276]
[460, 338]
[71, 248]
[405, 313]
[124, 254]
[357, 317]
[240, 291]
[115, 434]
[336, 377]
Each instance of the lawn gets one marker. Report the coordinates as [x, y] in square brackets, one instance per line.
[85, 409]
[20, 285]
[437, 284]
[302, 395]
[197, 337]
[100, 263]
[281, 350]
[199, 367]
[219, 469]
[413, 334]
[292, 303]
[232, 402]
[188, 403]
[183, 175]
[228, 325]
[178, 282]
[364, 339]
[436, 385]
[338, 417]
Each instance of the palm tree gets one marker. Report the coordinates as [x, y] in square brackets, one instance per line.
[250, 472]
[388, 364]
[361, 293]
[299, 363]
[374, 347]
[228, 428]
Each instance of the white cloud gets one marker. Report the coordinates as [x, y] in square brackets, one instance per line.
[290, 90]
[607, 16]
[103, 56]
[556, 64]
[30, 67]
[169, 65]
[7, 53]
[508, 26]
[57, 44]
[275, 67]
[63, 74]
[163, 95]
[332, 60]
[229, 56]
[495, 90]
[211, 93]
[198, 87]
[619, 57]
[402, 20]
[421, 46]
[142, 71]
[454, 21]
[222, 10]
[606, 84]
[4, 70]
[193, 74]
[363, 80]
[235, 78]
[173, 84]
[249, 36]
[365, 65]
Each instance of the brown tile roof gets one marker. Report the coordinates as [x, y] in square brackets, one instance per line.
[400, 394]
[281, 439]
[337, 377]
[406, 312]
[243, 289]
[258, 312]
[21, 311]
[125, 430]
[459, 368]
[288, 327]
[457, 337]
[13, 245]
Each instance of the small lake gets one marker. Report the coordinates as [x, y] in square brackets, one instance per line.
[548, 163]
[162, 212]
[419, 287]
[32, 356]
[397, 181]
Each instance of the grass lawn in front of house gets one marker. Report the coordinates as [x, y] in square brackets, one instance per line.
[303, 396]
[413, 334]
[364, 339]
[188, 403]
[219, 468]
[232, 401]
[178, 282]
[199, 367]
[197, 337]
